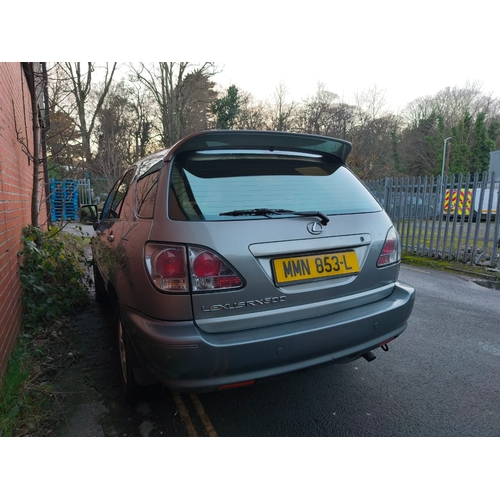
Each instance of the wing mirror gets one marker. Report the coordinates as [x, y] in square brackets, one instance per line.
[88, 213]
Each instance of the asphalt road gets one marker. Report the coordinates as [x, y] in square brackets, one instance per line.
[440, 378]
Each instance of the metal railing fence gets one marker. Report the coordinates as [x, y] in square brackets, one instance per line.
[455, 217]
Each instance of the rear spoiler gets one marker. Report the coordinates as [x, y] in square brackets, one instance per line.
[225, 139]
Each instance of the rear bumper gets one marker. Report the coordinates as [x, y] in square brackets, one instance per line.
[186, 359]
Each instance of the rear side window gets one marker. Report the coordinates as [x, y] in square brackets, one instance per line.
[146, 194]
[203, 185]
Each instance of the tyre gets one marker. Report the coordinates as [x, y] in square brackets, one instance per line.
[129, 384]
[101, 294]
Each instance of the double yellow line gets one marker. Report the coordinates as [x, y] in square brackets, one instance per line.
[200, 411]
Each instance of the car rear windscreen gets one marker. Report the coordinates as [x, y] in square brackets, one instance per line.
[205, 185]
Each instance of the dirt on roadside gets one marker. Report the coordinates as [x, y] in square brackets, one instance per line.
[89, 392]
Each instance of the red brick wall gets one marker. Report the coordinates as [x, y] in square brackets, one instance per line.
[16, 183]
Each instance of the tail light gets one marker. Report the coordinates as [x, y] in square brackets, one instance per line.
[175, 268]
[391, 251]
[167, 267]
[209, 271]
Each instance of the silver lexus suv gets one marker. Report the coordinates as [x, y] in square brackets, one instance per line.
[236, 256]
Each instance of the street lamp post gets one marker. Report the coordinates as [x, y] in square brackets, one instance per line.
[444, 155]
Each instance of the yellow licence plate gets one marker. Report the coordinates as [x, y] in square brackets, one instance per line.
[313, 267]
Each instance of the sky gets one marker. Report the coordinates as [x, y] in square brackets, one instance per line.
[405, 49]
[400, 84]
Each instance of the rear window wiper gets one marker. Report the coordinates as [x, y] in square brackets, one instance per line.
[278, 211]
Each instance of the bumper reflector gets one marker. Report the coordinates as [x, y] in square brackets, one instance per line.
[237, 384]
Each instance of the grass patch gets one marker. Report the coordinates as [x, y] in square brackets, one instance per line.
[29, 406]
[444, 241]
[450, 265]
[12, 400]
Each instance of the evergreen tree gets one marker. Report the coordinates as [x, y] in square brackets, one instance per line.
[395, 152]
[435, 131]
[482, 146]
[494, 132]
[226, 109]
[461, 155]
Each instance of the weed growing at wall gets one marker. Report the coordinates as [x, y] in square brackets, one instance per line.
[54, 275]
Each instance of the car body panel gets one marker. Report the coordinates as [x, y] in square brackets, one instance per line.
[186, 359]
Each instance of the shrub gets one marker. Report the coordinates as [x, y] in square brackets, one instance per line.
[54, 275]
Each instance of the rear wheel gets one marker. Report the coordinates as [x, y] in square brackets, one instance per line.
[129, 384]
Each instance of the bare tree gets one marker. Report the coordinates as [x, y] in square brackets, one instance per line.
[37, 161]
[317, 115]
[63, 142]
[371, 103]
[452, 103]
[282, 112]
[418, 110]
[252, 114]
[78, 84]
[374, 146]
[64, 147]
[182, 95]
[32, 146]
[114, 132]
[417, 150]
[344, 117]
[374, 136]
[142, 105]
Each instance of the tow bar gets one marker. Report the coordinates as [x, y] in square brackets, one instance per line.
[369, 356]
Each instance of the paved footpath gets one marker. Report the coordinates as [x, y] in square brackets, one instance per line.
[79, 229]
